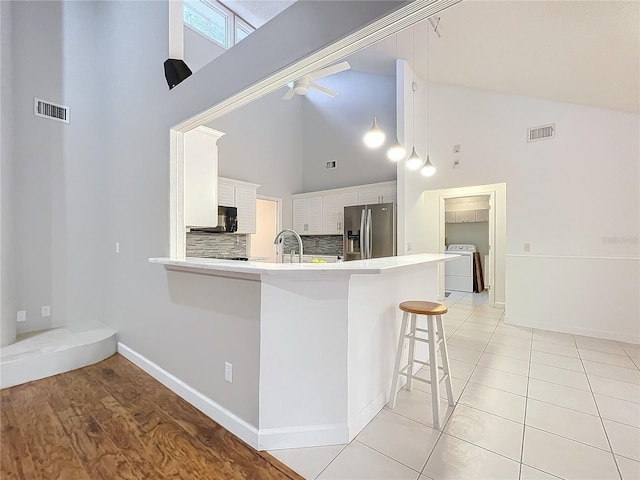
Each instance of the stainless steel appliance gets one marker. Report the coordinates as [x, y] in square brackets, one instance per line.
[227, 221]
[369, 231]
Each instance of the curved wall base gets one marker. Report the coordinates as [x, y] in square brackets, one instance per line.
[49, 352]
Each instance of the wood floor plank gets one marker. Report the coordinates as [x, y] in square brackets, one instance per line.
[211, 434]
[94, 448]
[112, 420]
[15, 459]
[51, 451]
[137, 446]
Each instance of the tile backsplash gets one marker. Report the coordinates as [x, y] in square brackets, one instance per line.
[207, 245]
[315, 244]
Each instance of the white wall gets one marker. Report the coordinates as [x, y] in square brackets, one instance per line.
[104, 178]
[565, 197]
[8, 324]
[198, 50]
[263, 144]
[333, 130]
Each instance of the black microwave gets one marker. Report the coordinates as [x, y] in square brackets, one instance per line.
[227, 221]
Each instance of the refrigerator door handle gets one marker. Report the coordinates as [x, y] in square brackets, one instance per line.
[369, 234]
[363, 236]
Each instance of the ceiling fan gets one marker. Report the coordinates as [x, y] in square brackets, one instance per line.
[303, 84]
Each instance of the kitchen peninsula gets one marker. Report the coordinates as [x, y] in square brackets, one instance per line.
[326, 335]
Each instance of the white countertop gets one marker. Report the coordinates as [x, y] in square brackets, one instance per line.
[373, 266]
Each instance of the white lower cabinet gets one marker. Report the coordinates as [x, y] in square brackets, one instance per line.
[307, 215]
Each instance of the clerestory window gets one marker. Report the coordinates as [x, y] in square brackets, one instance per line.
[216, 22]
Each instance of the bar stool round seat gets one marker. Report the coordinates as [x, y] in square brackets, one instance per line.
[434, 337]
[423, 308]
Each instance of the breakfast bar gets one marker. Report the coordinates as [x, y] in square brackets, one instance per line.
[327, 340]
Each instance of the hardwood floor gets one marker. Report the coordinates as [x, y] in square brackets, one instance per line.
[111, 421]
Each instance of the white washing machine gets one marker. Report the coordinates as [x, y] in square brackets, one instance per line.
[458, 275]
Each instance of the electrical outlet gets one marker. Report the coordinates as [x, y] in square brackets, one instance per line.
[117, 247]
[526, 247]
[46, 311]
[456, 164]
[228, 372]
[408, 247]
[456, 148]
[22, 315]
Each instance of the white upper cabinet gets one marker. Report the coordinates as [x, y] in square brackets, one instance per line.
[322, 213]
[333, 211]
[307, 215]
[201, 177]
[466, 216]
[242, 195]
[382, 193]
[482, 215]
[449, 217]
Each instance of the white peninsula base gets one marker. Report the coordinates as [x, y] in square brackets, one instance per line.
[328, 334]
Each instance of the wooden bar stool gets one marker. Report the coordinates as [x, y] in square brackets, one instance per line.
[435, 338]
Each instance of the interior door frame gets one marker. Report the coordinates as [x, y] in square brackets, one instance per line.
[278, 201]
[492, 235]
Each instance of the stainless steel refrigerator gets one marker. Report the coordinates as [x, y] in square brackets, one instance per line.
[369, 231]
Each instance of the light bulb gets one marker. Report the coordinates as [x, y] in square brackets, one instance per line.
[396, 152]
[428, 169]
[374, 138]
[414, 162]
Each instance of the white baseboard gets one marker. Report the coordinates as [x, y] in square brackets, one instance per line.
[499, 305]
[574, 330]
[224, 417]
[298, 437]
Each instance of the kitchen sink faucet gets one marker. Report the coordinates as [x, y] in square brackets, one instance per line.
[279, 236]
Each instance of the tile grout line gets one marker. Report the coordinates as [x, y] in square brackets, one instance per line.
[606, 434]
[526, 403]
[442, 429]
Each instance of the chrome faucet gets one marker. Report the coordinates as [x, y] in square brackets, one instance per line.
[279, 236]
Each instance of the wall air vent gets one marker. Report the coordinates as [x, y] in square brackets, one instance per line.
[42, 108]
[330, 165]
[543, 132]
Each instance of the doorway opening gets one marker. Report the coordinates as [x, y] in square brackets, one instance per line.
[467, 235]
[268, 215]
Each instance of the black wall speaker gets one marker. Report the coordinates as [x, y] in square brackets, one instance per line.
[175, 71]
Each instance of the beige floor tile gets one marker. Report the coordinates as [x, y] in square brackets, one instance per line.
[608, 358]
[562, 396]
[492, 400]
[625, 440]
[559, 361]
[630, 469]
[615, 388]
[577, 426]
[506, 364]
[400, 438]
[530, 473]
[560, 376]
[359, 462]
[555, 349]
[611, 371]
[618, 410]
[566, 458]
[501, 380]
[456, 459]
[308, 462]
[599, 345]
[554, 337]
[521, 353]
[487, 431]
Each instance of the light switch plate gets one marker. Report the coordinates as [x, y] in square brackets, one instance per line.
[46, 311]
[22, 316]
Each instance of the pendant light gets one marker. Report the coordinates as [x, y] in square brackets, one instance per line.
[428, 170]
[414, 161]
[375, 137]
[397, 150]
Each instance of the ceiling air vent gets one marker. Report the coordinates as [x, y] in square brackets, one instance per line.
[42, 108]
[543, 132]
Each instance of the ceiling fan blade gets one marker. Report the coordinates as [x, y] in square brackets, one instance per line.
[289, 95]
[325, 72]
[323, 89]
